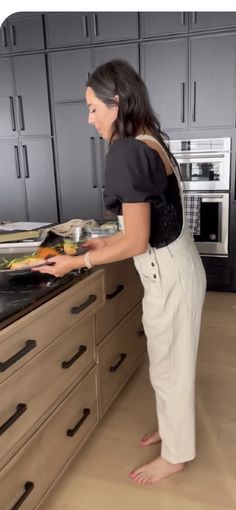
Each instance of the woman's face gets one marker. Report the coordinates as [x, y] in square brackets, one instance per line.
[100, 115]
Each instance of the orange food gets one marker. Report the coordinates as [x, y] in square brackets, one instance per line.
[46, 252]
[27, 263]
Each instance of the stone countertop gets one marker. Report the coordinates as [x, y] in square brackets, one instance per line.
[22, 294]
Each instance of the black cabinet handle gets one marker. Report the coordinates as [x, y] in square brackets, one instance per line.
[71, 432]
[26, 163]
[4, 36]
[67, 364]
[29, 486]
[194, 100]
[183, 101]
[20, 409]
[93, 161]
[95, 25]
[13, 35]
[77, 309]
[12, 110]
[85, 25]
[119, 289]
[18, 174]
[183, 19]
[102, 160]
[21, 114]
[29, 345]
[114, 368]
[194, 18]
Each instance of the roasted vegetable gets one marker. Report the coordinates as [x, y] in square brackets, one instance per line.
[70, 248]
[46, 252]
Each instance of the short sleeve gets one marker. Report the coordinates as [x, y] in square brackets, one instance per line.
[134, 173]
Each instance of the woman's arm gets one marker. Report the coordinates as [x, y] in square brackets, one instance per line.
[133, 241]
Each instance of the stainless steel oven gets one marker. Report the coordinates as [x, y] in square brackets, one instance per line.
[205, 172]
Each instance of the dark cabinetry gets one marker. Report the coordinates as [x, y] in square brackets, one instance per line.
[21, 32]
[211, 20]
[162, 23]
[69, 29]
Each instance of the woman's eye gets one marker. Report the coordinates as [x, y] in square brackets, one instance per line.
[92, 110]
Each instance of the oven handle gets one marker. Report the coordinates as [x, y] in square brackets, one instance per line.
[205, 198]
[199, 155]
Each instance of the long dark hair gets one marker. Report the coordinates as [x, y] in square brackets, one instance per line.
[118, 78]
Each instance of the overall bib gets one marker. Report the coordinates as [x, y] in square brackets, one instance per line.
[174, 284]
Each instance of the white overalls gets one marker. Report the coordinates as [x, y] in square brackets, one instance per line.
[174, 284]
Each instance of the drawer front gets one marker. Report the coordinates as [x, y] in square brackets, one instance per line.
[32, 390]
[26, 337]
[118, 355]
[123, 290]
[36, 466]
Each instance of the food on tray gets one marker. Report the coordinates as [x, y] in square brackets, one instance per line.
[70, 248]
[26, 263]
[46, 252]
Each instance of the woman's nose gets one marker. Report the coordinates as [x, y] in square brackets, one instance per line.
[90, 119]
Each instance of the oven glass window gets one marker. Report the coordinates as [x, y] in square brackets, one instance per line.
[200, 171]
[210, 222]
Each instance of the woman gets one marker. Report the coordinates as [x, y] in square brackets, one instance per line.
[143, 189]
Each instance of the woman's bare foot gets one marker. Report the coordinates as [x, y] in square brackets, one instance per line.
[155, 471]
[151, 438]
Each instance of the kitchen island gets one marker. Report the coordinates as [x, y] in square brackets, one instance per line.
[67, 347]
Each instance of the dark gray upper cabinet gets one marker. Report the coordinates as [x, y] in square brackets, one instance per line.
[67, 29]
[38, 173]
[213, 80]
[12, 190]
[165, 72]
[22, 32]
[161, 23]
[211, 20]
[69, 72]
[114, 26]
[128, 52]
[8, 125]
[32, 95]
[79, 173]
[27, 191]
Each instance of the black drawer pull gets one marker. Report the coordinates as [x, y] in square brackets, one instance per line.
[29, 345]
[67, 364]
[77, 309]
[20, 409]
[119, 289]
[71, 432]
[29, 486]
[115, 367]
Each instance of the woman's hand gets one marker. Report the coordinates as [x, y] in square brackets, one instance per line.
[61, 264]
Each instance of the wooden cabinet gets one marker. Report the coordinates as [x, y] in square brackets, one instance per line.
[22, 32]
[57, 380]
[211, 20]
[112, 26]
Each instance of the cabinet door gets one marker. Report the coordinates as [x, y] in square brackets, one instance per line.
[159, 23]
[78, 173]
[211, 20]
[32, 95]
[128, 52]
[213, 85]
[112, 26]
[4, 38]
[69, 72]
[7, 100]
[67, 29]
[164, 70]
[12, 191]
[26, 32]
[39, 180]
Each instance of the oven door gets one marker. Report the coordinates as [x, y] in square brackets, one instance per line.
[204, 172]
[214, 224]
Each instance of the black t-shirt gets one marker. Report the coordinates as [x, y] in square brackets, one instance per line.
[136, 173]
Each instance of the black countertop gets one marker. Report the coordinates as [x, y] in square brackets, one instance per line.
[22, 294]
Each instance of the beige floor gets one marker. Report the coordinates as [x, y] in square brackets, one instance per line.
[98, 478]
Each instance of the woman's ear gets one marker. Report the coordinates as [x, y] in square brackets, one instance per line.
[116, 99]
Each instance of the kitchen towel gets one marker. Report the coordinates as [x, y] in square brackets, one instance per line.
[192, 206]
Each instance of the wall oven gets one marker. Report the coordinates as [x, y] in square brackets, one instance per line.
[205, 172]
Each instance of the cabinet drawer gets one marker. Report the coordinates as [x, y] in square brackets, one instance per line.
[118, 356]
[123, 291]
[44, 457]
[34, 388]
[22, 340]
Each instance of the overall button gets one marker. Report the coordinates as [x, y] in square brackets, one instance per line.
[154, 276]
[152, 264]
[149, 251]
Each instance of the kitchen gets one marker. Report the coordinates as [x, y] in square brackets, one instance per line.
[43, 110]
